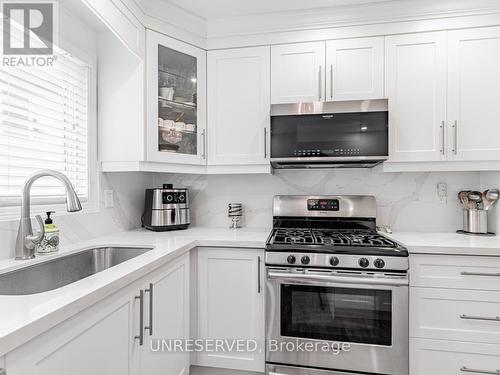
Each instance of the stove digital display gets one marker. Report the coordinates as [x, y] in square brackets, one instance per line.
[323, 205]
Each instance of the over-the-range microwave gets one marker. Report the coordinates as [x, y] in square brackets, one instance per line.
[329, 134]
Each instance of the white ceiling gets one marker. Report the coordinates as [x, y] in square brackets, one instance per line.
[210, 9]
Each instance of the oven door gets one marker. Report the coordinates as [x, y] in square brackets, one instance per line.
[361, 318]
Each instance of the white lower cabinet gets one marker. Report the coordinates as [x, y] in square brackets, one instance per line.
[454, 315]
[455, 272]
[170, 317]
[99, 340]
[231, 305]
[103, 339]
[438, 357]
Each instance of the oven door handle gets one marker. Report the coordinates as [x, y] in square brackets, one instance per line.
[294, 277]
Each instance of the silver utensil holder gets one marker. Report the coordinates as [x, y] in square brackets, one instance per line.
[475, 221]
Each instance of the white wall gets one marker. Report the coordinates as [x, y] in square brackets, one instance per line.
[406, 201]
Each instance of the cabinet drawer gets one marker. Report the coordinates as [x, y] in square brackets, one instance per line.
[453, 314]
[458, 272]
[438, 357]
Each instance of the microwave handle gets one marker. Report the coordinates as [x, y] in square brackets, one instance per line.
[265, 143]
[294, 277]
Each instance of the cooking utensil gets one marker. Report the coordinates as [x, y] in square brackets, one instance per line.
[476, 198]
[463, 197]
[490, 197]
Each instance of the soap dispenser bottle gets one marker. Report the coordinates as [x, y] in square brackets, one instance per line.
[50, 244]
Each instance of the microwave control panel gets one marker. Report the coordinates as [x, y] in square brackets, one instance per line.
[332, 152]
[323, 205]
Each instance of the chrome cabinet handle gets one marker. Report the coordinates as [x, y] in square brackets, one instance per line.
[258, 274]
[455, 137]
[140, 337]
[493, 274]
[331, 81]
[319, 83]
[149, 327]
[477, 371]
[203, 143]
[472, 317]
[265, 143]
[442, 137]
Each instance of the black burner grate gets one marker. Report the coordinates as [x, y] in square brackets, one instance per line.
[346, 237]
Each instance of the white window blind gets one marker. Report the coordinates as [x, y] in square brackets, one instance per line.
[44, 124]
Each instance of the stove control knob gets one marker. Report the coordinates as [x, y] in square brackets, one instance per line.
[363, 262]
[379, 263]
[334, 261]
[305, 259]
[291, 259]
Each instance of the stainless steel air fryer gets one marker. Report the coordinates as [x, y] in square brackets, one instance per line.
[166, 208]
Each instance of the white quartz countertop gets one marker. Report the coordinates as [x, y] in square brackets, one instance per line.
[447, 243]
[24, 317]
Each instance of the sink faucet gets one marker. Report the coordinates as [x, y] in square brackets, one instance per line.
[26, 241]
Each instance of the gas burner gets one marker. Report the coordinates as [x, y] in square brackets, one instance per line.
[371, 240]
[293, 236]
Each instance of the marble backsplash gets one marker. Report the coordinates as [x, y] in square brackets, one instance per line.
[406, 201]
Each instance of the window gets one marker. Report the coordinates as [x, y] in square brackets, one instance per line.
[44, 125]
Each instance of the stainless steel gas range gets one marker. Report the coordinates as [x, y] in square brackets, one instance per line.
[337, 291]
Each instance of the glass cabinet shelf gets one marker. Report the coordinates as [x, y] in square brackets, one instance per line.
[175, 103]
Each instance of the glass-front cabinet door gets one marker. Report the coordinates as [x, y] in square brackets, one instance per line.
[176, 102]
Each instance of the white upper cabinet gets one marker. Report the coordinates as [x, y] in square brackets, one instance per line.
[416, 87]
[474, 94]
[238, 106]
[355, 69]
[176, 101]
[298, 72]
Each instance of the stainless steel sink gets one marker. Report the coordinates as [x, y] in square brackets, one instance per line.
[65, 270]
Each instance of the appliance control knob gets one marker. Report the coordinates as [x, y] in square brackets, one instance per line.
[379, 263]
[363, 262]
[305, 259]
[334, 261]
[291, 259]
[182, 197]
[170, 198]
